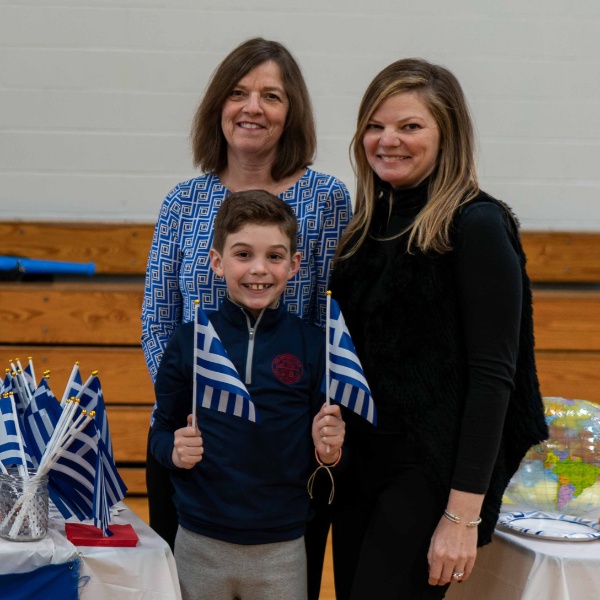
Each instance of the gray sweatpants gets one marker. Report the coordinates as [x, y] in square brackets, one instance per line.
[210, 569]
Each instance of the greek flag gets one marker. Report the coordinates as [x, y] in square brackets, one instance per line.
[40, 419]
[10, 385]
[13, 447]
[91, 398]
[108, 488]
[84, 482]
[73, 475]
[101, 506]
[6, 384]
[29, 375]
[113, 484]
[74, 386]
[217, 383]
[347, 383]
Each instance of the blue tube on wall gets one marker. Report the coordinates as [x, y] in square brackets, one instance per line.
[46, 267]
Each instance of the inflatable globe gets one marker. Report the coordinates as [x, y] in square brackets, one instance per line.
[562, 475]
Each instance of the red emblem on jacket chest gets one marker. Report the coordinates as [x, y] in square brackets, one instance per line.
[287, 368]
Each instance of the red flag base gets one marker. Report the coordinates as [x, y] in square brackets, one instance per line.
[88, 535]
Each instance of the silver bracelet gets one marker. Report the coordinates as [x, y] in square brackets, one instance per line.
[456, 519]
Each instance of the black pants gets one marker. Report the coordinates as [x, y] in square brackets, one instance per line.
[163, 518]
[383, 523]
[163, 515]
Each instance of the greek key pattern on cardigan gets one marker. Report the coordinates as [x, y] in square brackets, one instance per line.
[179, 271]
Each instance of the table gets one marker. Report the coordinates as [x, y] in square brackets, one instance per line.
[517, 567]
[146, 571]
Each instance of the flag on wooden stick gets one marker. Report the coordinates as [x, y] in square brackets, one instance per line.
[345, 380]
[217, 384]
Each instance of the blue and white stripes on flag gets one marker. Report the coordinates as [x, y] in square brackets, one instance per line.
[91, 398]
[217, 383]
[13, 444]
[347, 383]
[9, 385]
[72, 477]
[74, 386]
[101, 507]
[29, 376]
[113, 484]
[40, 419]
[85, 482]
[108, 489]
[6, 384]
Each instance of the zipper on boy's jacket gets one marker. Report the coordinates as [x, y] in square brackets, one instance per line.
[250, 353]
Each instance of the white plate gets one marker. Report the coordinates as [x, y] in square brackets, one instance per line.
[552, 527]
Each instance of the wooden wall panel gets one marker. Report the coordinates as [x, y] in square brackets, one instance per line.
[139, 505]
[129, 432]
[121, 248]
[135, 480]
[70, 313]
[562, 256]
[573, 375]
[112, 247]
[122, 370]
[566, 320]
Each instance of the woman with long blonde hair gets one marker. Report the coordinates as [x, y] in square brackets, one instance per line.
[430, 275]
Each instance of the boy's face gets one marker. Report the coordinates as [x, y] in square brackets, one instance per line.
[256, 263]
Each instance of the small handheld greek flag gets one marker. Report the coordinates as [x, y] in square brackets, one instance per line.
[344, 379]
[74, 386]
[84, 481]
[91, 398]
[40, 419]
[13, 447]
[217, 384]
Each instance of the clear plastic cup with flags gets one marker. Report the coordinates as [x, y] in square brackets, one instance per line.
[23, 506]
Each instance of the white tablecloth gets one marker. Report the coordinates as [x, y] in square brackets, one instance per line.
[517, 567]
[146, 572]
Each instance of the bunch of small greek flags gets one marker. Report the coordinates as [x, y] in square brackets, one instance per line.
[217, 384]
[68, 440]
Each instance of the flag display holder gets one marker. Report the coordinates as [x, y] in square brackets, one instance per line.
[81, 534]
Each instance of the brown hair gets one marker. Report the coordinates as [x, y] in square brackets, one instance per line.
[298, 142]
[256, 207]
[454, 180]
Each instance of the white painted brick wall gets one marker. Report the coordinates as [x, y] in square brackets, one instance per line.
[96, 96]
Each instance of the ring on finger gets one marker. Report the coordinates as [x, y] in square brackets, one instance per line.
[457, 574]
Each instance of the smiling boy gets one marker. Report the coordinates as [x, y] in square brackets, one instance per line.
[240, 487]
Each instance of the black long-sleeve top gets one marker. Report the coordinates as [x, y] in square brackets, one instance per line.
[489, 287]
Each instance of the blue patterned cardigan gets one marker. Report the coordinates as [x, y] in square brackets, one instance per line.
[179, 272]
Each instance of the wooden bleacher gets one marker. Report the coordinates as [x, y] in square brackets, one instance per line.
[96, 321]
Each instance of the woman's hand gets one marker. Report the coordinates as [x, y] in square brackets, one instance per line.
[452, 550]
[453, 546]
[188, 447]
[328, 432]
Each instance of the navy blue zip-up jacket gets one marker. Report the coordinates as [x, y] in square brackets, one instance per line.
[250, 486]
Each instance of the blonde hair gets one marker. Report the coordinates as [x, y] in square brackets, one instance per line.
[454, 180]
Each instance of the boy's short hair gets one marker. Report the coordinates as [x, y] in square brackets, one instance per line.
[256, 207]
